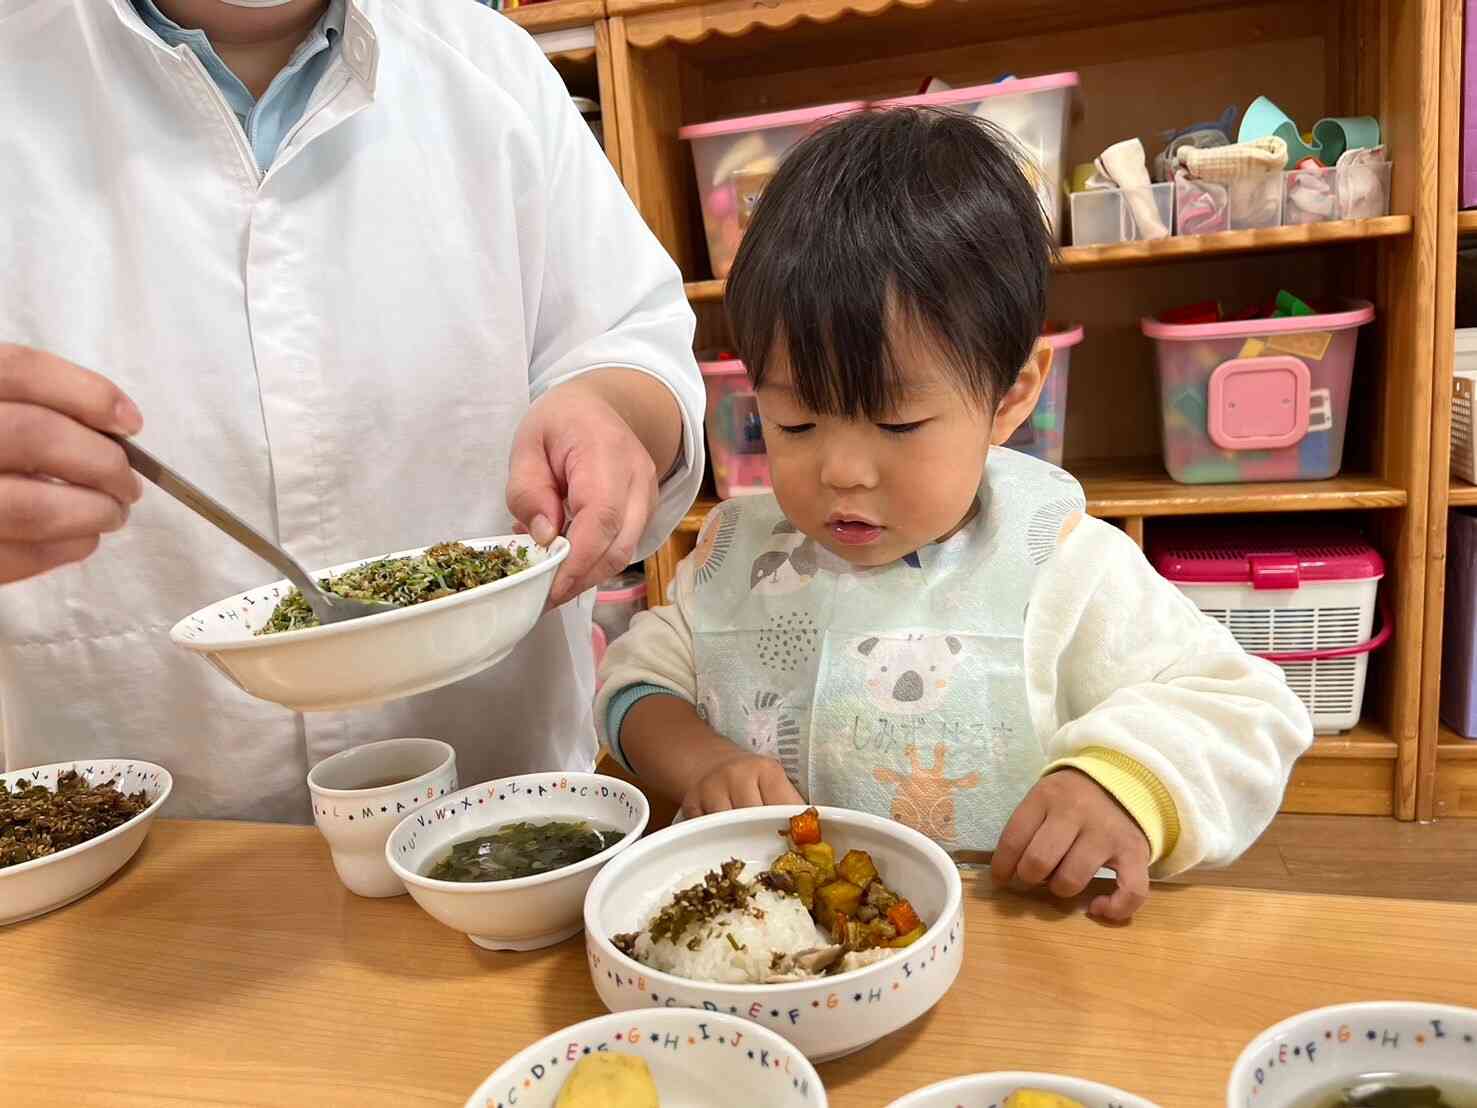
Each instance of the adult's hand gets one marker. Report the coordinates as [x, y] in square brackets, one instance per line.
[594, 444]
[63, 483]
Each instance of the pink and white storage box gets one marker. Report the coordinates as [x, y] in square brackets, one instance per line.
[1257, 400]
[1298, 595]
[735, 433]
[1044, 433]
[735, 158]
[1032, 110]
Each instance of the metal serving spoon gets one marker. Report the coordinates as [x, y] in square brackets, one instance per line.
[327, 606]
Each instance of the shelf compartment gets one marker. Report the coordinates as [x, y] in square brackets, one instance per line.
[553, 15]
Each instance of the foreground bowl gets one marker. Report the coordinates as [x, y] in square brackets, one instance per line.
[827, 1017]
[375, 658]
[1324, 1047]
[989, 1090]
[43, 884]
[697, 1059]
[526, 913]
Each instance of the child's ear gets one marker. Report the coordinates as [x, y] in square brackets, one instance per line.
[1016, 405]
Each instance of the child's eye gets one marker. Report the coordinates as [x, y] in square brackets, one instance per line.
[901, 428]
[796, 428]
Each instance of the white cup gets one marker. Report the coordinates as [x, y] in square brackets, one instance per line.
[357, 820]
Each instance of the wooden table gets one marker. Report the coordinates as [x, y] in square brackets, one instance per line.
[226, 965]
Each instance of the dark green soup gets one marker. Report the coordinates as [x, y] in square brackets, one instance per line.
[1393, 1090]
[523, 849]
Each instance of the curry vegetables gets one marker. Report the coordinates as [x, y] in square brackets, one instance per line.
[443, 570]
[36, 821]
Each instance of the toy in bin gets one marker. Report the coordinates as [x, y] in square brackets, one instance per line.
[735, 432]
[1260, 397]
[1043, 434]
[1300, 596]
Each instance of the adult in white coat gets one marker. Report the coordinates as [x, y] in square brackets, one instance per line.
[358, 267]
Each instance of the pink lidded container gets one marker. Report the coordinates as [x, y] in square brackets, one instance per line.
[735, 433]
[1043, 435]
[1258, 400]
[617, 602]
[1297, 595]
[1033, 110]
[734, 160]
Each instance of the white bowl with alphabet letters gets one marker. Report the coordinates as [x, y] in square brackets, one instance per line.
[826, 1017]
[525, 913]
[696, 1059]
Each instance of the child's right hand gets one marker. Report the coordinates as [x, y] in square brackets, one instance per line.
[743, 781]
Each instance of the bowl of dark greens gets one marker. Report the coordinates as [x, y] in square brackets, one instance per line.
[1383, 1054]
[463, 605]
[508, 862]
[68, 827]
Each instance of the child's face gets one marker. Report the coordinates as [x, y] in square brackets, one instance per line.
[875, 492]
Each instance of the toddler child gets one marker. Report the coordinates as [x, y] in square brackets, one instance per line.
[921, 623]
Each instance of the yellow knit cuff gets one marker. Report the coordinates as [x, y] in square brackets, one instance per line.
[1141, 793]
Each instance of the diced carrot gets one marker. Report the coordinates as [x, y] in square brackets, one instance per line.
[806, 827]
[902, 916]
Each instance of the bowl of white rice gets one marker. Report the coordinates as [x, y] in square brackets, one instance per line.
[744, 963]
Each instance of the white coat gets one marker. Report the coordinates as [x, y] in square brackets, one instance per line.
[340, 350]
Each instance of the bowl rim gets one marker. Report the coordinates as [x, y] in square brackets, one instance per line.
[1243, 1066]
[1111, 1091]
[554, 555]
[166, 786]
[341, 794]
[625, 1017]
[410, 877]
[953, 901]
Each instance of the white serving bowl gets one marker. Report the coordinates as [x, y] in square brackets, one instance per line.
[526, 913]
[828, 1017]
[376, 658]
[1319, 1048]
[43, 884]
[989, 1090]
[697, 1059]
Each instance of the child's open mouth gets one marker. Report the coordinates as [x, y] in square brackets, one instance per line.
[853, 532]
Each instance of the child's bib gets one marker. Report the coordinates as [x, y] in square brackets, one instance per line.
[899, 690]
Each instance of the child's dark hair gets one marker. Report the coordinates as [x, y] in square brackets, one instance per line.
[908, 215]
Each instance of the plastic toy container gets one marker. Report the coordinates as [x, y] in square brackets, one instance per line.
[1245, 204]
[734, 160]
[617, 602]
[1260, 400]
[1105, 216]
[735, 434]
[1318, 194]
[1034, 110]
[1043, 435]
[1302, 597]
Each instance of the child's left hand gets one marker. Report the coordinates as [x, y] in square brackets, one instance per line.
[1067, 829]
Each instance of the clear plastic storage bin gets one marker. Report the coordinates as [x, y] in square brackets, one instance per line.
[735, 433]
[1105, 216]
[1260, 400]
[1043, 435]
[1245, 204]
[617, 602]
[734, 160]
[1319, 194]
[1033, 109]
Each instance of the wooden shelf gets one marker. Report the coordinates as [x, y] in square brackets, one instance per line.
[1462, 495]
[1121, 490]
[552, 15]
[1367, 740]
[1451, 747]
[1466, 223]
[1188, 247]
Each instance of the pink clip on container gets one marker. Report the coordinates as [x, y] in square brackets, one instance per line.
[1260, 400]
[734, 160]
[1032, 110]
[1043, 435]
[735, 434]
[1302, 597]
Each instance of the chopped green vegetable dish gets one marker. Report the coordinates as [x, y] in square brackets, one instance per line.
[35, 821]
[522, 849]
[450, 567]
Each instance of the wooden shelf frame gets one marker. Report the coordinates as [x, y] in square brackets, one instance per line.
[679, 62]
[556, 15]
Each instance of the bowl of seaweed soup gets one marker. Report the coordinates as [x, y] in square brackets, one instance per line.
[523, 848]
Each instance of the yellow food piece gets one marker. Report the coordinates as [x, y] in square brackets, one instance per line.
[802, 873]
[858, 868]
[609, 1080]
[908, 940]
[823, 857]
[837, 898]
[1036, 1098]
